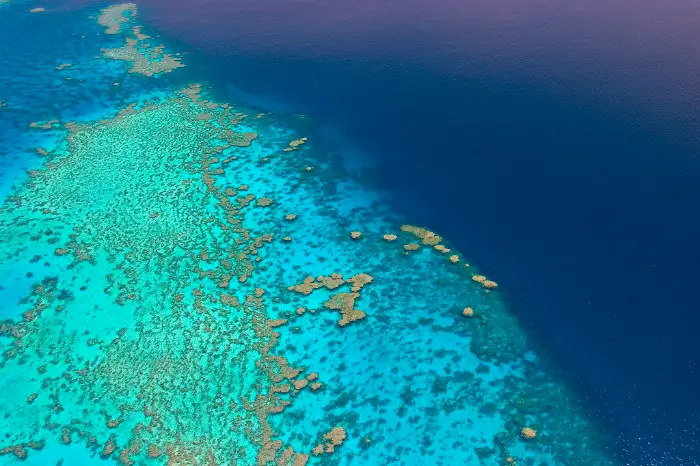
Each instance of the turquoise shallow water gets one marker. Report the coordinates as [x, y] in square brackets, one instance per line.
[188, 281]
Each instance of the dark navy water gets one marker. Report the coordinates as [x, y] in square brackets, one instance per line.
[555, 143]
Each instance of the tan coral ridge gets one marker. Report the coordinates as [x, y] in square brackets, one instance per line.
[294, 145]
[484, 281]
[344, 301]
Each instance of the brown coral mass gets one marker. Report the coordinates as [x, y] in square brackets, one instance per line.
[355, 234]
[334, 438]
[411, 247]
[306, 287]
[360, 280]
[441, 248]
[427, 236]
[299, 384]
[484, 282]
[454, 258]
[290, 217]
[330, 283]
[264, 202]
[528, 433]
[390, 237]
[345, 303]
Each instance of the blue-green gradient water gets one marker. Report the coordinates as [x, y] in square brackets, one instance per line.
[186, 280]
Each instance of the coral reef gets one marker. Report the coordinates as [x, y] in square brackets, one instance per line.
[145, 59]
[427, 236]
[484, 281]
[294, 145]
[113, 17]
[334, 438]
[159, 312]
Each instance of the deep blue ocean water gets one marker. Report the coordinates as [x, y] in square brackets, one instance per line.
[559, 147]
[589, 217]
[580, 199]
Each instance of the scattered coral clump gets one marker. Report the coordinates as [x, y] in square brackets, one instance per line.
[344, 301]
[294, 145]
[359, 281]
[484, 282]
[528, 433]
[427, 236]
[264, 202]
[334, 438]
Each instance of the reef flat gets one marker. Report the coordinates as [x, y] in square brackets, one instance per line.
[186, 281]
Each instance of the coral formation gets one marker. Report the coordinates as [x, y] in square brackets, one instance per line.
[344, 301]
[484, 281]
[294, 145]
[49, 124]
[264, 202]
[112, 17]
[334, 438]
[145, 59]
[158, 327]
[427, 236]
[146, 62]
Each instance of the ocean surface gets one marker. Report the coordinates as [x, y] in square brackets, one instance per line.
[363, 233]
